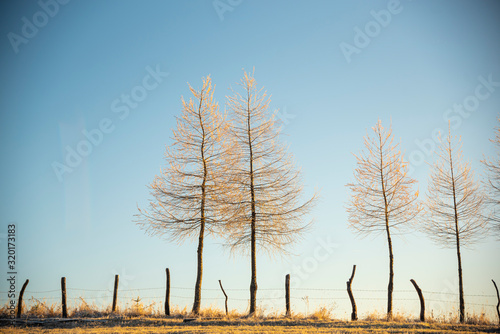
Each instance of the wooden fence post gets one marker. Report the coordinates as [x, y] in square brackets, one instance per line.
[225, 295]
[354, 314]
[167, 294]
[498, 303]
[421, 297]
[287, 294]
[115, 293]
[63, 291]
[20, 302]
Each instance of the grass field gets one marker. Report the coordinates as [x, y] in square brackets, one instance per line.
[244, 325]
[41, 317]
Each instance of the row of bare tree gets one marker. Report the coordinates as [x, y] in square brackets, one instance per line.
[228, 175]
[457, 212]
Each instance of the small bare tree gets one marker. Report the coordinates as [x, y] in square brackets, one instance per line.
[492, 185]
[266, 186]
[188, 193]
[382, 199]
[454, 204]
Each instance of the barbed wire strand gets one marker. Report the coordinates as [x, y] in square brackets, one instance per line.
[265, 289]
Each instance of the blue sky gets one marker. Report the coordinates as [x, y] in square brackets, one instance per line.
[73, 73]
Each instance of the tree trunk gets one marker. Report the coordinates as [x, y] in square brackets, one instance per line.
[197, 288]
[253, 283]
[460, 284]
[459, 257]
[457, 236]
[199, 274]
[390, 287]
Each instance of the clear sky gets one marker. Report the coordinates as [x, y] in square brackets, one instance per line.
[333, 68]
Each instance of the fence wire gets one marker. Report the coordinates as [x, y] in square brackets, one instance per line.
[326, 294]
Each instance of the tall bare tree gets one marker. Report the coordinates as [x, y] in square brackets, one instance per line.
[188, 194]
[267, 186]
[492, 184]
[454, 204]
[382, 197]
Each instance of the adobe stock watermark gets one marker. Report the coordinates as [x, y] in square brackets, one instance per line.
[124, 281]
[373, 28]
[31, 26]
[446, 297]
[283, 118]
[120, 106]
[223, 6]
[301, 272]
[455, 116]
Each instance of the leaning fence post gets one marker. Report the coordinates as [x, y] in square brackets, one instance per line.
[167, 294]
[115, 293]
[225, 295]
[20, 302]
[63, 296]
[354, 314]
[498, 303]
[421, 297]
[287, 294]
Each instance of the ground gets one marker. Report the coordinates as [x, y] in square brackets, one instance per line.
[110, 325]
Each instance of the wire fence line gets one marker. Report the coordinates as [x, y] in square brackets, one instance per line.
[125, 293]
[260, 289]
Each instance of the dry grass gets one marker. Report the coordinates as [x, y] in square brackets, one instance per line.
[451, 318]
[138, 309]
[35, 308]
[40, 309]
[323, 314]
[143, 325]
[474, 319]
[212, 312]
[85, 310]
[139, 318]
[396, 317]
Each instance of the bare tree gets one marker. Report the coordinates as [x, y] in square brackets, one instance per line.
[454, 204]
[492, 184]
[267, 187]
[382, 199]
[188, 193]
